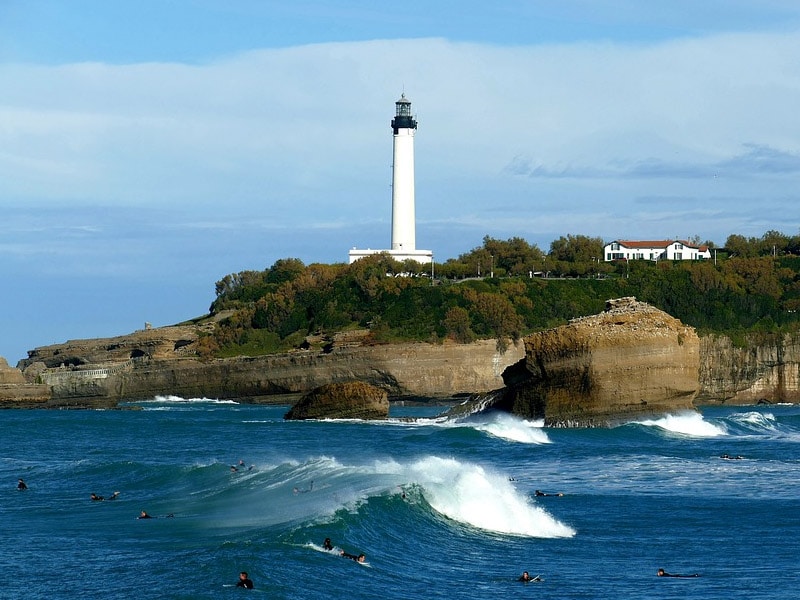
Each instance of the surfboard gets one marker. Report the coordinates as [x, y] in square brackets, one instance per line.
[335, 551]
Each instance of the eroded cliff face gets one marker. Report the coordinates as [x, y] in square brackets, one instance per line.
[157, 343]
[628, 361]
[765, 370]
[640, 357]
[402, 370]
[16, 392]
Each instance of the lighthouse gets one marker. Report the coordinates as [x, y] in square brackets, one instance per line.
[404, 226]
[403, 221]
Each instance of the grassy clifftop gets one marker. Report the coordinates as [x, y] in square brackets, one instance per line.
[278, 308]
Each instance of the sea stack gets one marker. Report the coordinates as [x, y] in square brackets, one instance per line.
[630, 361]
[346, 400]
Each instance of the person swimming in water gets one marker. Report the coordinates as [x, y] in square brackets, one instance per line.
[144, 515]
[244, 581]
[21, 486]
[526, 577]
[327, 544]
[358, 558]
[96, 498]
[541, 493]
[663, 573]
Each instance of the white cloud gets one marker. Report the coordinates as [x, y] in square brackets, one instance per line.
[303, 132]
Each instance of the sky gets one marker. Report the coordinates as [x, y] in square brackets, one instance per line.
[149, 148]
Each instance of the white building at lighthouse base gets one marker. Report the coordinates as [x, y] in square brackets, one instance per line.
[424, 257]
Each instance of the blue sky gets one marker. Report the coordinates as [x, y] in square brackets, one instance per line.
[149, 148]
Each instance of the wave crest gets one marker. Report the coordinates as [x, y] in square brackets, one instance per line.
[472, 495]
[692, 424]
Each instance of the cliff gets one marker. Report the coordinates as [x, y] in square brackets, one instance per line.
[16, 392]
[156, 343]
[765, 369]
[103, 372]
[80, 373]
[629, 361]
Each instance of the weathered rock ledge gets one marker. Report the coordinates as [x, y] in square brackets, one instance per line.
[766, 370]
[346, 400]
[16, 392]
[629, 361]
[80, 373]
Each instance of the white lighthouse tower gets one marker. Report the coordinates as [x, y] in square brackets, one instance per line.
[404, 237]
[403, 221]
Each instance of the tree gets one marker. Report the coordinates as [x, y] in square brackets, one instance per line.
[773, 243]
[738, 245]
[457, 325]
[576, 248]
[285, 269]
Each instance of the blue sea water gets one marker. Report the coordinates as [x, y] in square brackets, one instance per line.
[441, 508]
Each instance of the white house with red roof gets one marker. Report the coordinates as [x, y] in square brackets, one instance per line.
[655, 250]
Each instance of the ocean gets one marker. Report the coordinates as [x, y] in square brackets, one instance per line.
[441, 508]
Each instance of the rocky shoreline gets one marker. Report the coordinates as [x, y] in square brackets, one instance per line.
[630, 359]
[101, 373]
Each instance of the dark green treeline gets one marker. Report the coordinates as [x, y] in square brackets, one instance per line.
[503, 289]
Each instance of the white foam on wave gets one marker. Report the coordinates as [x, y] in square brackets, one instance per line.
[755, 420]
[500, 425]
[691, 424]
[169, 399]
[514, 429]
[319, 487]
[470, 494]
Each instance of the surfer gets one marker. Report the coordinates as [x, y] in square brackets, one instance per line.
[541, 493]
[244, 581]
[729, 457]
[21, 486]
[96, 498]
[144, 515]
[526, 577]
[327, 545]
[360, 558]
[663, 573]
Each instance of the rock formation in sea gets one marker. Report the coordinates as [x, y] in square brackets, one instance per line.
[629, 361]
[345, 400]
